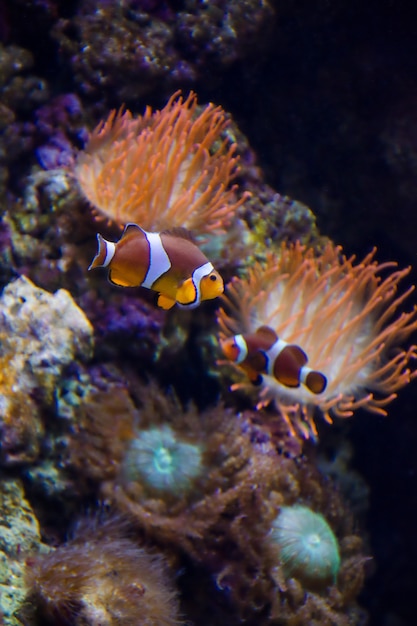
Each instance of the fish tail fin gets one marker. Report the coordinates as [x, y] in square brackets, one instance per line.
[105, 253]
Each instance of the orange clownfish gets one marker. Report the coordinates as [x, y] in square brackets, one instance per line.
[167, 262]
[263, 352]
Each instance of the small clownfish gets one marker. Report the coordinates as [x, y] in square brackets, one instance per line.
[167, 262]
[263, 352]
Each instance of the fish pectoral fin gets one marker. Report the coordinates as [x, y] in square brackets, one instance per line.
[253, 375]
[257, 382]
[164, 302]
[118, 279]
[186, 293]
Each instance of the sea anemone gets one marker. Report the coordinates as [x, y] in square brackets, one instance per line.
[166, 169]
[342, 314]
[162, 461]
[307, 546]
[101, 577]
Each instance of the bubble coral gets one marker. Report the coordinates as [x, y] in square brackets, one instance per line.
[165, 169]
[342, 314]
[308, 548]
[101, 577]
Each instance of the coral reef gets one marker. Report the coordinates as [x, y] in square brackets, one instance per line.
[45, 233]
[126, 326]
[271, 217]
[160, 431]
[157, 44]
[302, 600]
[41, 334]
[163, 170]
[21, 92]
[83, 394]
[331, 125]
[342, 315]
[59, 125]
[100, 577]
[207, 487]
[19, 536]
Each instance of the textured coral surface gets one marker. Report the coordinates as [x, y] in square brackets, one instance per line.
[100, 577]
[109, 404]
[19, 535]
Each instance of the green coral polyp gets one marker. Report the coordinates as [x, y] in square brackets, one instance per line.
[162, 462]
[308, 548]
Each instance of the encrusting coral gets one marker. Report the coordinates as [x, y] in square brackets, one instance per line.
[166, 169]
[141, 461]
[209, 485]
[19, 534]
[123, 52]
[100, 577]
[40, 335]
[342, 314]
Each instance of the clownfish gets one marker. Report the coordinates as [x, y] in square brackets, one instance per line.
[263, 352]
[167, 262]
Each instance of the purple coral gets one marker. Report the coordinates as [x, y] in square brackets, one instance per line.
[59, 124]
[126, 324]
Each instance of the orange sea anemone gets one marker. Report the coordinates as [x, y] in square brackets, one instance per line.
[342, 314]
[165, 169]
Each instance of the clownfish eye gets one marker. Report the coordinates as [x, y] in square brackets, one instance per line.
[213, 277]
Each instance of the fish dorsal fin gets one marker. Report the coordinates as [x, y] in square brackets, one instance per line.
[179, 231]
[132, 229]
[267, 333]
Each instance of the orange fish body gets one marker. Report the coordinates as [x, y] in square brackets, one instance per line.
[263, 352]
[168, 263]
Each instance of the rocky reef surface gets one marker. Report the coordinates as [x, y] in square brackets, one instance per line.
[132, 481]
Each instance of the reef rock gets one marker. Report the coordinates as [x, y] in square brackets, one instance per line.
[42, 332]
[40, 335]
[19, 535]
